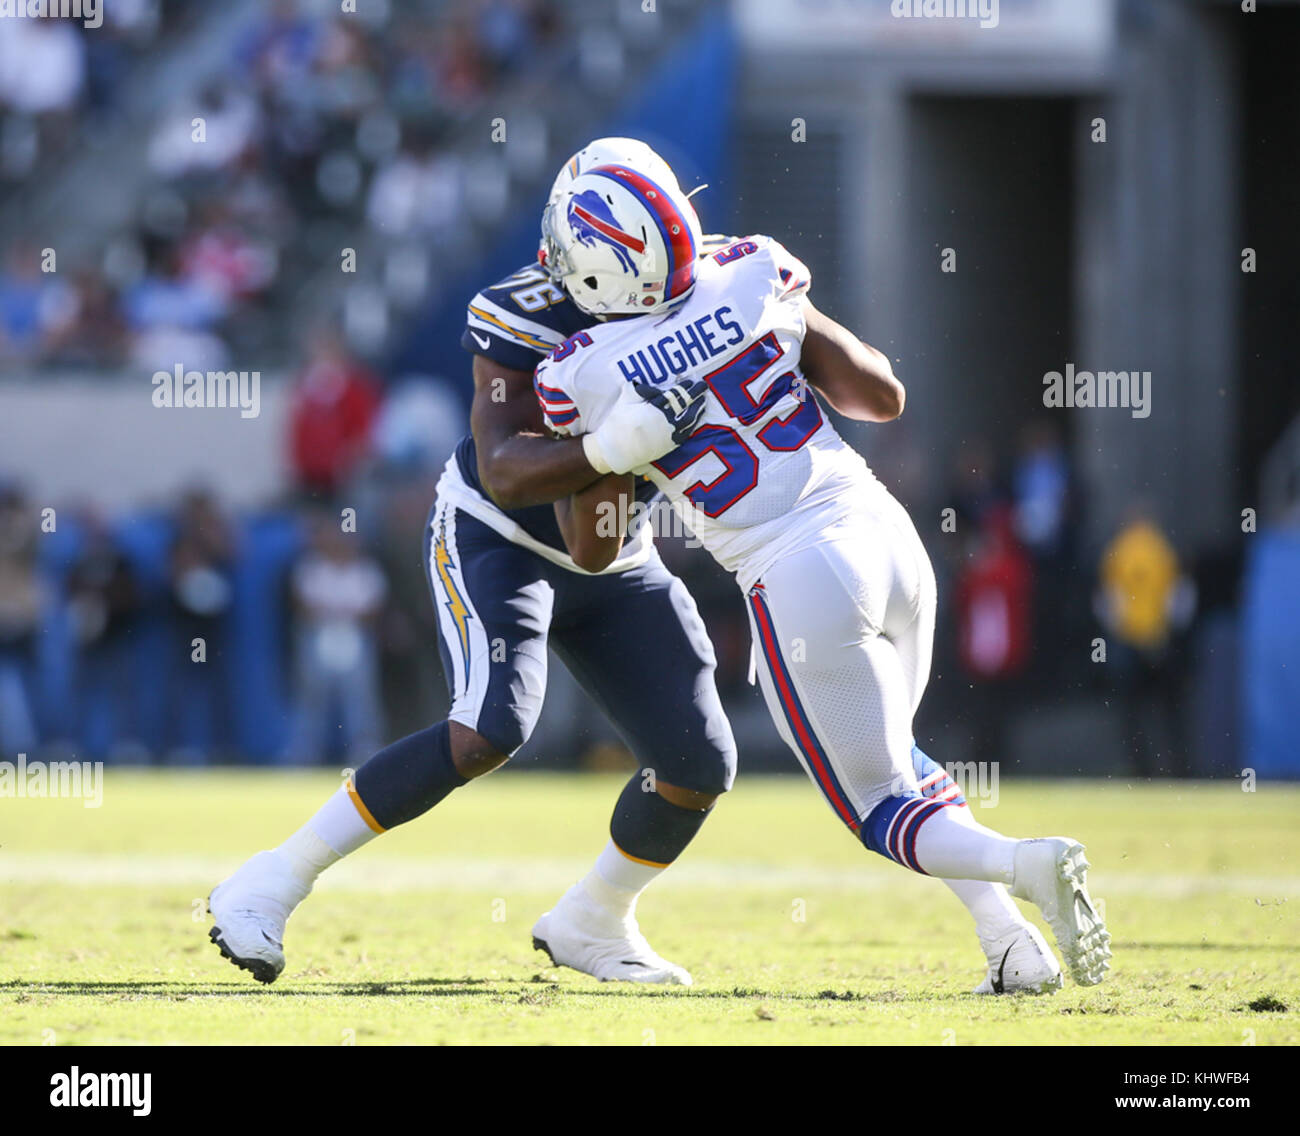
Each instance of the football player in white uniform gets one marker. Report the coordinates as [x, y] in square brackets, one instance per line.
[840, 591]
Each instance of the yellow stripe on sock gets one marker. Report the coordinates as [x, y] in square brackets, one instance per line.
[361, 808]
[638, 860]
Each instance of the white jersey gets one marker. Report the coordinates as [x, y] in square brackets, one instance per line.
[764, 472]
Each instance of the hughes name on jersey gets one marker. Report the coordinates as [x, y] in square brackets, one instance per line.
[741, 331]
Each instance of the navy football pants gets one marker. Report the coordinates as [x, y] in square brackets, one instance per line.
[634, 641]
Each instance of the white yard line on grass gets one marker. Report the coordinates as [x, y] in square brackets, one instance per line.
[389, 874]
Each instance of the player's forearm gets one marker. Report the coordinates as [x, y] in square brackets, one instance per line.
[519, 462]
[594, 520]
[533, 469]
[856, 379]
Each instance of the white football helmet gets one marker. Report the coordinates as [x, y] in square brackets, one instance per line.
[621, 241]
[612, 152]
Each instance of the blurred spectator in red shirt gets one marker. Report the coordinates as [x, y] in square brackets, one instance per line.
[334, 404]
[227, 261]
[994, 596]
[460, 64]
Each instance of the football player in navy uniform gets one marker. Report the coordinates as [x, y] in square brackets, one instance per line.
[505, 588]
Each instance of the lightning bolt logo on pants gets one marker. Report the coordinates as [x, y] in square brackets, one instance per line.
[455, 603]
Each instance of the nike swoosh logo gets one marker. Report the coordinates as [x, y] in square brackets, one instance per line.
[1079, 897]
[1002, 966]
[632, 962]
[483, 341]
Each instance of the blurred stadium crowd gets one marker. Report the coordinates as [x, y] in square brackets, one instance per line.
[353, 631]
[317, 126]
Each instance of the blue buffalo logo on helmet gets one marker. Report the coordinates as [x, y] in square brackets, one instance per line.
[591, 221]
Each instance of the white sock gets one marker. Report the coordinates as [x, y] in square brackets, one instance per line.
[991, 906]
[617, 880]
[994, 911]
[957, 847]
[337, 829]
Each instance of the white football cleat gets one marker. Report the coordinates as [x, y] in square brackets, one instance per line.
[580, 934]
[250, 910]
[1053, 875]
[1020, 961]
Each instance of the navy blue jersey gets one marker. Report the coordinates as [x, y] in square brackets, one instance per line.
[517, 322]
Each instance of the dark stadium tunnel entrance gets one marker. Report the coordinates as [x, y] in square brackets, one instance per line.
[989, 232]
[1268, 133]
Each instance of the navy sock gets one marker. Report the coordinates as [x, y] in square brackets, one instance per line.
[409, 777]
[647, 827]
[879, 830]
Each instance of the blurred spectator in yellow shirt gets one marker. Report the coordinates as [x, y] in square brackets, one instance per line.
[1144, 601]
[1140, 577]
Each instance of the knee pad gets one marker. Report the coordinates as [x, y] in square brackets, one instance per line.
[720, 770]
[505, 727]
[703, 768]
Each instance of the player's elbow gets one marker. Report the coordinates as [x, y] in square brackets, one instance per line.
[893, 399]
[503, 482]
[879, 397]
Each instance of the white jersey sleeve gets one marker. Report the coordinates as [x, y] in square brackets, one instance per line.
[559, 411]
[556, 381]
[574, 388]
[791, 277]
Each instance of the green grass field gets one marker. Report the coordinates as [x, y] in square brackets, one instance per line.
[423, 937]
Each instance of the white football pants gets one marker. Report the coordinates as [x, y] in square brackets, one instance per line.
[844, 634]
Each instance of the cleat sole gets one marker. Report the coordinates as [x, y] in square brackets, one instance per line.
[542, 945]
[260, 969]
[1088, 954]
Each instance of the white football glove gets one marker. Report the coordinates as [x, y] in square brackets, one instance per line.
[645, 424]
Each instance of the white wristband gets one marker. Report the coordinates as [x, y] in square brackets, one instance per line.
[591, 448]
